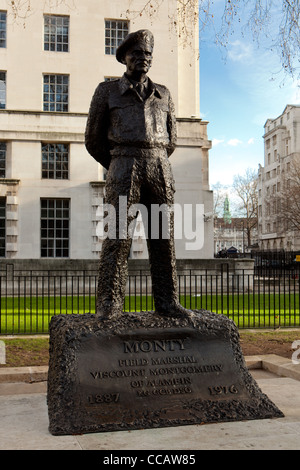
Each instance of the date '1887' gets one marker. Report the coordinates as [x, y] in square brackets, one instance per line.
[106, 398]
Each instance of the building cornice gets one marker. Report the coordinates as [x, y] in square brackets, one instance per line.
[39, 126]
[97, 184]
[9, 181]
[56, 113]
[41, 113]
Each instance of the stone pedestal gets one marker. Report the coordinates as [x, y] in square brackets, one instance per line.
[145, 371]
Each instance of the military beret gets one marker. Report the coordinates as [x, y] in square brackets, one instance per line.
[143, 35]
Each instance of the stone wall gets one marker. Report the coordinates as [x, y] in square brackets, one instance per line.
[215, 265]
[79, 277]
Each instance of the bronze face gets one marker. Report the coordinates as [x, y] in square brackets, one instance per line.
[138, 59]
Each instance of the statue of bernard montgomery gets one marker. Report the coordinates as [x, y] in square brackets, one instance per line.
[131, 131]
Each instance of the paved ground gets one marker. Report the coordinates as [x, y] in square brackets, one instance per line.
[24, 421]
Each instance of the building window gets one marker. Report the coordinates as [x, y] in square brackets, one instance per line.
[55, 161]
[56, 93]
[2, 90]
[115, 32]
[56, 33]
[55, 228]
[2, 226]
[2, 159]
[2, 29]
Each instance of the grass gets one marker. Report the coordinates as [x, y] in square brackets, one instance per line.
[21, 352]
[252, 310]
[24, 315]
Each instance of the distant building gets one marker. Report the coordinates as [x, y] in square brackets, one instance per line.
[50, 187]
[229, 235]
[281, 148]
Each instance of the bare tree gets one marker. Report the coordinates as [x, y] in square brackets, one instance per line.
[277, 21]
[245, 187]
[22, 9]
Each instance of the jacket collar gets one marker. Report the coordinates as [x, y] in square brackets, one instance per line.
[125, 85]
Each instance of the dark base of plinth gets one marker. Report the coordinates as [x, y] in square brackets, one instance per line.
[143, 370]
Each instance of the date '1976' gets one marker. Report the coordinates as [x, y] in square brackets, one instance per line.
[223, 390]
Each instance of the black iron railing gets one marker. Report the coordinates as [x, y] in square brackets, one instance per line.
[268, 299]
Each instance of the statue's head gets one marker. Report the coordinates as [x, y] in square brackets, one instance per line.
[141, 37]
[136, 51]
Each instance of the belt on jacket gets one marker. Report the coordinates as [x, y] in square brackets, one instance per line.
[138, 152]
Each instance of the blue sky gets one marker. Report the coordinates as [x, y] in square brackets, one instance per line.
[239, 90]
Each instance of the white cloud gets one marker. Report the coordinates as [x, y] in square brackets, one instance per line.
[251, 141]
[216, 142]
[240, 51]
[234, 142]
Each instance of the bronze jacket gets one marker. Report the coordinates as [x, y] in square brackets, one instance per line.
[121, 123]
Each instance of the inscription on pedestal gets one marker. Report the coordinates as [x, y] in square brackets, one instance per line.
[157, 372]
[148, 373]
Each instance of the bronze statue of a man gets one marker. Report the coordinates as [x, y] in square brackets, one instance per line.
[131, 131]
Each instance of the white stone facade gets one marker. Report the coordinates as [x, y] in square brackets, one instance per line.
[25, 125]
[282, 147]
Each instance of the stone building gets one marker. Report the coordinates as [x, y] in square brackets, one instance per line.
[51, 63]
[281, 151]
[229, 234]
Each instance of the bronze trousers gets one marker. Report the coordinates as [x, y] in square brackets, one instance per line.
[145, 181]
